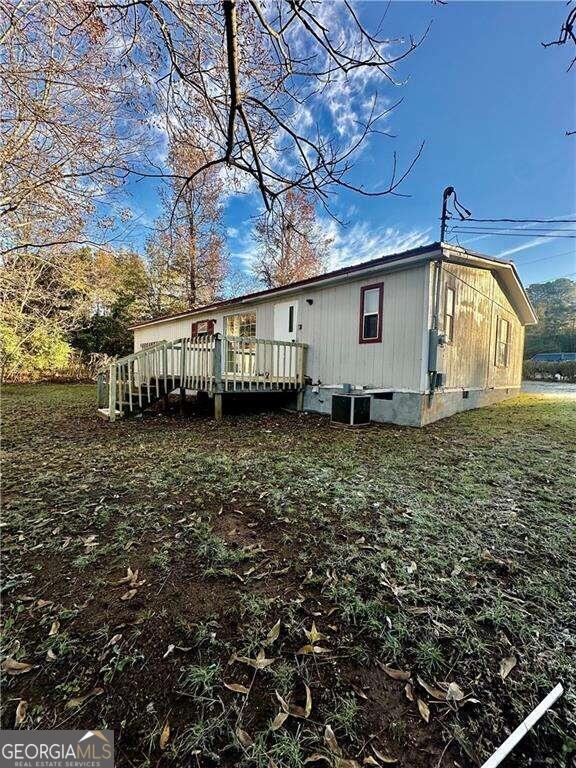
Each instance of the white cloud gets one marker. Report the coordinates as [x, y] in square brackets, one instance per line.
[525, 246]
[362, 242]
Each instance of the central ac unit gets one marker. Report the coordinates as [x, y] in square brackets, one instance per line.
[351, 410]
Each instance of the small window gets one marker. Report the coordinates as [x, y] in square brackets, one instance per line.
[371, 313]
[449, 307]
[502, 342]
[241, 325]
[291, 318]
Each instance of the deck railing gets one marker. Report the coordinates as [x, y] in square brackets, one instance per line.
[213, 364]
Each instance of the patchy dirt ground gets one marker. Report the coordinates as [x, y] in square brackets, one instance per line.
[269, 591]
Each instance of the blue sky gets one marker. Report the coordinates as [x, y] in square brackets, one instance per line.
[492, 106]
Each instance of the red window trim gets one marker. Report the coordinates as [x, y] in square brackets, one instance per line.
[210, 323]
[377, 339]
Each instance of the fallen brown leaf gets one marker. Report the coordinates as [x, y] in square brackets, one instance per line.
[244, 737]
[436, 693]
[311, 649]
[273, 635]
[279, 720]
[395, 674]
[331, 740]
[507, 665]
[383, 758]
[237, 687]
[55, 628]
[165, 736]
[424, 710]
[454, 692]
[20, 713]
[260, 662]
[77, 702]
[13, 667]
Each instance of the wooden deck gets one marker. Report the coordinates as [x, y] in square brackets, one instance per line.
[213, 364]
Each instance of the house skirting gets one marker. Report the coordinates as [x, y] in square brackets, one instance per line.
[412, 409]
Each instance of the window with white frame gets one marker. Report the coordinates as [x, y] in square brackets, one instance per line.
[449, 310]
[502, 342]
[241, 325]
[371, 313]
[241, 355]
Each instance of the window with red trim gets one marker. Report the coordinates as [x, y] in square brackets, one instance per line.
[371, 313]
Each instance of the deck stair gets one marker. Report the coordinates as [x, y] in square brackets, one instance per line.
[212, 364]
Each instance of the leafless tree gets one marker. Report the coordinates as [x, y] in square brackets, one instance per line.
[187, 262]
[284, 92]
[66, 135]
[567, 35]
[291, 245]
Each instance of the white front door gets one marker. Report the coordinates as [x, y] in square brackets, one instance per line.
[286, 321]
[285, 329]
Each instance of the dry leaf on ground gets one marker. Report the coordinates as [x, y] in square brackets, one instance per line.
[279, 720]
[165, 736]
[244, 737]
[77, 702]
[13, 667]
[436, 693]
[331, 740]
[260, 662]
[237, 687]
[424, 710]
[273, 634]
[20, 713]
[507, 665]
[55, 628]
[395, 674]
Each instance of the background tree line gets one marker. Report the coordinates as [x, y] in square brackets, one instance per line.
[555, 305]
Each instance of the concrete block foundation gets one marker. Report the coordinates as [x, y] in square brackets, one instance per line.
[412, 409]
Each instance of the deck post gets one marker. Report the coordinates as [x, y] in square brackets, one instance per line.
[217, 362]
[112, 393]
[101, 389]
[300, 400]
[218, 406]
[302, 367]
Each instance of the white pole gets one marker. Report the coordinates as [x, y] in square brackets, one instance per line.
[507, 747]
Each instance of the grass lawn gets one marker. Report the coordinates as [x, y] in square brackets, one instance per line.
[221, 593]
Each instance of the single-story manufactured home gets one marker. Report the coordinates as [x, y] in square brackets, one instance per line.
[424, 334]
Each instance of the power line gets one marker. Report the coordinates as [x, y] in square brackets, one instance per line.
[524, 221]
[518, 229]
[508, 234]
[546, 258]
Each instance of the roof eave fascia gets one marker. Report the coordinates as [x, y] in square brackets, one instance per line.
[459, 255]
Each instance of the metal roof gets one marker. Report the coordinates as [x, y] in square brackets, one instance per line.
[449, 252]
